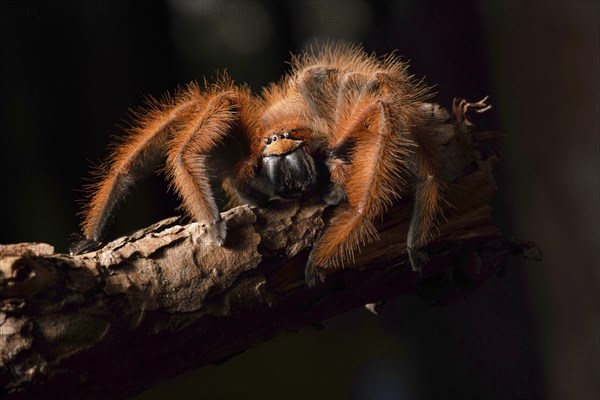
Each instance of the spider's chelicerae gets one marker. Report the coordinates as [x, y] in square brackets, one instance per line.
[342, 124]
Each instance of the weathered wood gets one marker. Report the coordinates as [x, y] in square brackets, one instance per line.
[109, 323]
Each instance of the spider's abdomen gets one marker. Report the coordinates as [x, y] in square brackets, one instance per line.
[291, 174]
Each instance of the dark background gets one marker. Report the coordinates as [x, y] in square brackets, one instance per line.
[70, 71]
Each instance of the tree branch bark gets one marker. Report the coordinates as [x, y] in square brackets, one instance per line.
[110, 323]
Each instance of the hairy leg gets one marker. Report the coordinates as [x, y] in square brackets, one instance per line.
[427, 197]
[374, 177]
[137, 153]
[425, 210]
[189, 154]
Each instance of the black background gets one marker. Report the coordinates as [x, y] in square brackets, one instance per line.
[70, 71]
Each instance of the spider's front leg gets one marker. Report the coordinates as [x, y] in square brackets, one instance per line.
[217, 142]
[379, 161]
[371, 179]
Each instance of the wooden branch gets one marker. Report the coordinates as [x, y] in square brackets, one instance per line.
[110, 323]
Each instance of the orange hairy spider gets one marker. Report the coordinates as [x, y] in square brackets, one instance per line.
[342, 124]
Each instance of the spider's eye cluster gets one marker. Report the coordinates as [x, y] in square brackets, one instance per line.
[270, 139]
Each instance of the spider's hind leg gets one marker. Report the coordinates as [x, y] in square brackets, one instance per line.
[427, 199]
[425, 209]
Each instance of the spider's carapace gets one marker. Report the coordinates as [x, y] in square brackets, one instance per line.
[342, 124]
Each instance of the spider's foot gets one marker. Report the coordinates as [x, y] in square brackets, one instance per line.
[84, 246]
[217, 232]
[417, 259]
[313, 274]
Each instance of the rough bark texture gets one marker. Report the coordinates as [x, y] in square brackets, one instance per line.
[110, 323]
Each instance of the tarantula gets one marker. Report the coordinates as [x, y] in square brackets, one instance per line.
[342, 124]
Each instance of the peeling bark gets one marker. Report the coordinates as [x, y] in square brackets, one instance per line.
[110, 323]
